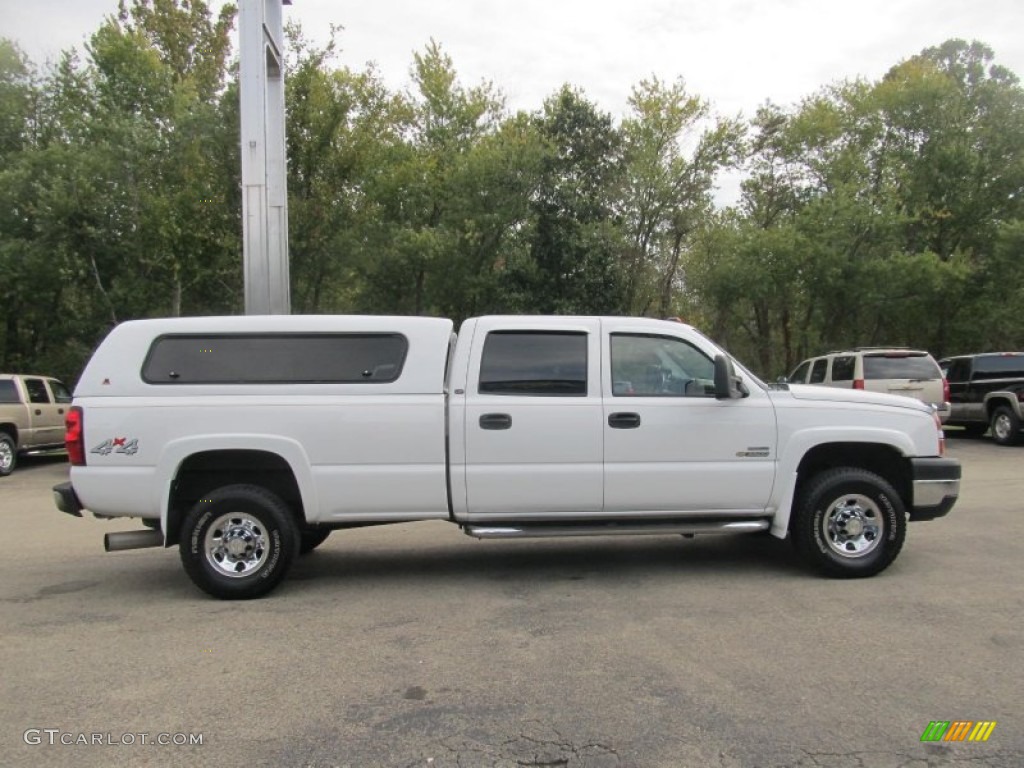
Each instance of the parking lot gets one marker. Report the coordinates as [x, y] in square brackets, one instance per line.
[413, 645]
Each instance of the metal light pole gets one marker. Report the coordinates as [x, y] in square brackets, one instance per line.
[264, 163]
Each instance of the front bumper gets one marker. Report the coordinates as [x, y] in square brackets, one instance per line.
[66, 500]
[936, 485]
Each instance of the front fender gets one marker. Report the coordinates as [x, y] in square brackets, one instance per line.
[799, 444]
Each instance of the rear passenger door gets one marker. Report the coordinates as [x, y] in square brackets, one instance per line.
[843, 369]
[533, 426]
[47, 417]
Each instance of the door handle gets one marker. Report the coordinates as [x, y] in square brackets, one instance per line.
[495, 421]
[624, 420]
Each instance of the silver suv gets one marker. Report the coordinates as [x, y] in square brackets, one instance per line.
[898, 371]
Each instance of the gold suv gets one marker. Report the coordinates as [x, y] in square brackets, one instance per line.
[896, 370]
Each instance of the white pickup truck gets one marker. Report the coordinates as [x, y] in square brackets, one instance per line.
[247, 440]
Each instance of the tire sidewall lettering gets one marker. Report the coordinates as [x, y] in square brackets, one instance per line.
[275, 554]
[890, 515]
[198, 530]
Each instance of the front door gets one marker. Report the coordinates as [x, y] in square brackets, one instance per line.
[670, 446]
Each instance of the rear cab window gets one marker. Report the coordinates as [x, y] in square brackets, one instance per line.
[37, 392]
[312, 358]
[534, 363]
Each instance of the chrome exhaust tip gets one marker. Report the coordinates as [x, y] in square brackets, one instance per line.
[113, 542]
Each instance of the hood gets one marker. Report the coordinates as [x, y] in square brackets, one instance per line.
[839, 395]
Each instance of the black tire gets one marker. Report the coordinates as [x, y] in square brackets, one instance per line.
[238, 542]
[1005, 426]
[8, 454]
[849, 523]
[311, 538]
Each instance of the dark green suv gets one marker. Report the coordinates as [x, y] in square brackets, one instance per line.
[987, 392]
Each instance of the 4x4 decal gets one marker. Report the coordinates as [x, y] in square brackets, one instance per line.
[117, 445]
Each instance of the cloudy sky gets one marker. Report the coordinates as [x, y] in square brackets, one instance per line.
[734, 53]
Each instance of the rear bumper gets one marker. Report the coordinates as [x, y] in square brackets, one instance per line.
[936, 484]
[66, 500]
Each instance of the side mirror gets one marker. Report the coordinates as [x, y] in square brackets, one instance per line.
[728, 386]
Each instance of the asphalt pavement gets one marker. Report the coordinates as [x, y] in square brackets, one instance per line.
[414, 645]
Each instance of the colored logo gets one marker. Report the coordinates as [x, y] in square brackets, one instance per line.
[958, 730]
[117, 445]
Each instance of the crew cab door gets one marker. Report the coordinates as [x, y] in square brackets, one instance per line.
[45, 415]
[670, 446]
[533, 419]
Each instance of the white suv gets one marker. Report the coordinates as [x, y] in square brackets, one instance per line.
[898, 371]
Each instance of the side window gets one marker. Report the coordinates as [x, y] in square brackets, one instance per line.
[60, 392]
[37, 391]
[818, 371]
[842, 367]
[659, 366]
[535, 363]
[346, 358]
[799, 376]
[999, 367]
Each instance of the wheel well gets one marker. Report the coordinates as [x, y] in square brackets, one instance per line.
[883, 460]
[11, 431]
[994, 402]
[203, 472]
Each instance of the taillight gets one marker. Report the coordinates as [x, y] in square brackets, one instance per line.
[945, 389]
[74, 437]
[858, 383]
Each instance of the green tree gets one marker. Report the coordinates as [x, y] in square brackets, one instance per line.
[574, 236]
[667, 192]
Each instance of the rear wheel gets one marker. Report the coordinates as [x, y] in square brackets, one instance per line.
[1005, 426]
[238, 542]
[8, 454]
[849, 523]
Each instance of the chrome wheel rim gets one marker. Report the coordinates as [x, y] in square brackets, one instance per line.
[6, 455]
[236, 544]
[853, 525]
[1001, 426]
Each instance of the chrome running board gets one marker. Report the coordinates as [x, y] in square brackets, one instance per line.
[510, 531]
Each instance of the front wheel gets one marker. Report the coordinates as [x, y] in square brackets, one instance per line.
[849, 523]
[238, 542]
[8, 454]
[1005, 426]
